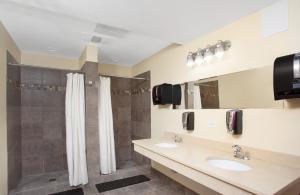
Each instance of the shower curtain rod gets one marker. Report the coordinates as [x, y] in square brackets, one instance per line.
[137, 78]
[205, 85]
[18, 64]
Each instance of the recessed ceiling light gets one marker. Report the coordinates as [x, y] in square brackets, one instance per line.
[51, 49]
[115, 59]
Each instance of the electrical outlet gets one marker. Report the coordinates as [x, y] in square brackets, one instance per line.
[211, 124]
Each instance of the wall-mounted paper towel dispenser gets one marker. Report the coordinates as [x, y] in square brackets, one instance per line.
[165, 94]
[286, 77]
[162, 94]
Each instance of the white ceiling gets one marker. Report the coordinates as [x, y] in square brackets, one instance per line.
[68, 25]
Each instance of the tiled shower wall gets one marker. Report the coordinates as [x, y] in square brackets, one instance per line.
[91, 119]
[131, 113]
[43, 120]
[141, 113]
[13, 123]
[121, 107]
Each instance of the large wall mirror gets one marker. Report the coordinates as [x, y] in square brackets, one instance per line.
[246, 89]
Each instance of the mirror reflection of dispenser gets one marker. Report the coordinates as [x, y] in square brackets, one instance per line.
[188, 121]
[234, 122]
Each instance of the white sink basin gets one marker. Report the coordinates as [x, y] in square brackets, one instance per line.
[228, 164]
[166, 145]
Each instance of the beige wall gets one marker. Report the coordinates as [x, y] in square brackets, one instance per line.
[49, 61]
[116, 70]
[271, 129]
[6, 44]
[89, 54]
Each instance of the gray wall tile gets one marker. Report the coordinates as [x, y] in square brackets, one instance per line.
[54, 163]
[124, 153]
[32, 131]
[91, 127]
[32, 165]
[31, 75]
[31, 97]
[13, 96]
[43, 121]
[131, 116]
[32, 147]
[141, 115]
[121, 106]
[51, 77]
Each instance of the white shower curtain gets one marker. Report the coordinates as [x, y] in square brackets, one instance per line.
[197, 97]
[75, 129]
[182, 104]
[106, 129]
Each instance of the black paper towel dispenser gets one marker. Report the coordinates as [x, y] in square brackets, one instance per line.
[162, 94]
[286, 77]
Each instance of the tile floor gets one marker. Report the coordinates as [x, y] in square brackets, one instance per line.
[158, 185]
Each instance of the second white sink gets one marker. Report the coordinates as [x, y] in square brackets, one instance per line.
[166, 145]
[228, 164]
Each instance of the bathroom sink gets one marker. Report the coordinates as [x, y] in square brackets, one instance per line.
[166, 145]
[228, 164]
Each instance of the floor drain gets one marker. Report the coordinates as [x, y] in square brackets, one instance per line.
[52, 179]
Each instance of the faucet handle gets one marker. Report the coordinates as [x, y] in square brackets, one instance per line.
[177, 138]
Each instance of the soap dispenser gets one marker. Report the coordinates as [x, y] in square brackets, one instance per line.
[188, 121]
[234, 122]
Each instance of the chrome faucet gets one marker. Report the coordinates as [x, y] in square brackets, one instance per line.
[239, 153]
[177, 138]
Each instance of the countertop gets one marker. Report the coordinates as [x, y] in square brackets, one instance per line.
[263, 178]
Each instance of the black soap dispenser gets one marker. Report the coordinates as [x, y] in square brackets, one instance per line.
[234, 122]
[188, 120]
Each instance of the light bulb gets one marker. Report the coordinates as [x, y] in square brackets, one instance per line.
[219, 51]
[208, 55]
[199, 58]
[190, 60]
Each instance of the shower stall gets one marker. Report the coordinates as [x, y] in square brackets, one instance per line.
[37, 127]
[132, 117]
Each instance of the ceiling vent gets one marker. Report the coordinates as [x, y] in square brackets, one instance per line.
[110, 30]
[96, 39]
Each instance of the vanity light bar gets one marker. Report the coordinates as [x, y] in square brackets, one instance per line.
[207, 54]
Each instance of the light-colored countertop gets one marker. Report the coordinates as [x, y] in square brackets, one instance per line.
[264, 177]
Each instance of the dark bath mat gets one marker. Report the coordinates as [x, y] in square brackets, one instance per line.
[112, 185]
[77, 191]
